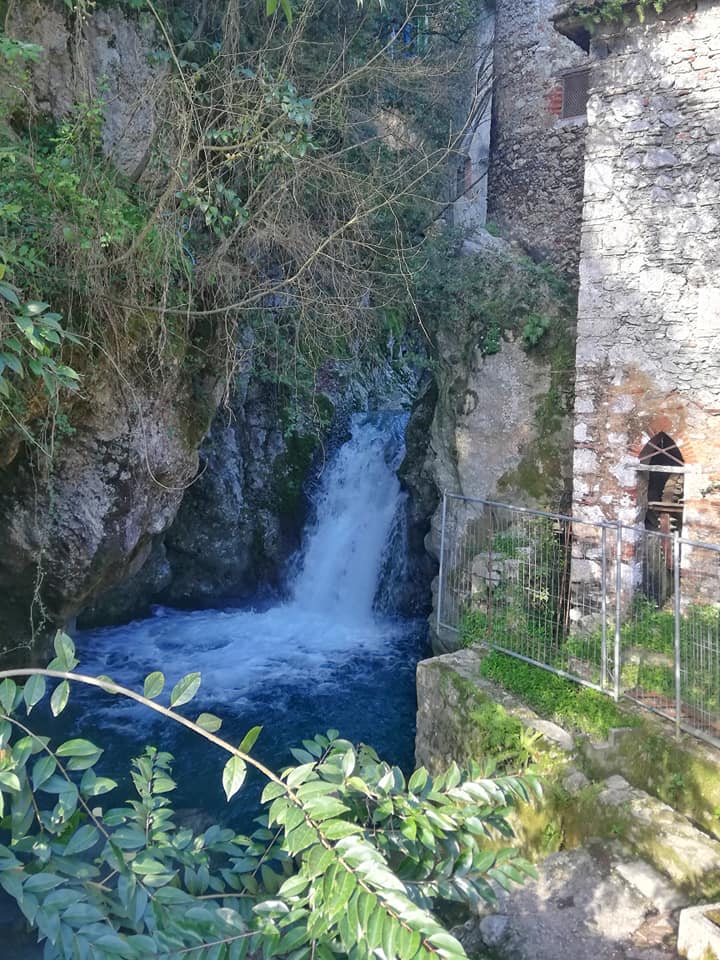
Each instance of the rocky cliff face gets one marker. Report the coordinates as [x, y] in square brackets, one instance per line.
[491, 425]
[240, 517]
[82, 515]
[106, 50]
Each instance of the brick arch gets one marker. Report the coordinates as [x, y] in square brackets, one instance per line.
[663, 424]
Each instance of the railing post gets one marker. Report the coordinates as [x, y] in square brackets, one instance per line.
[603, 581]
[441, 571]
[676, 610]
[618, 607]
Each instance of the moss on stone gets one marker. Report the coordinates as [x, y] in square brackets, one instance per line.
[472, 723]
[676, 772]
[541, 472]
[290, 470]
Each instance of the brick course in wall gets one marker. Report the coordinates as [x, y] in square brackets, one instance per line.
[648, 347]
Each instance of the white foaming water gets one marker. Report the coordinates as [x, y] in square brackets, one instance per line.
[298, 645]
[343, 551]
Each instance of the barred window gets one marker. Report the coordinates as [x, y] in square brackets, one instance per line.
[575, 93]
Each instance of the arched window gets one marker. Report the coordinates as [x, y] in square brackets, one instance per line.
[662, 469]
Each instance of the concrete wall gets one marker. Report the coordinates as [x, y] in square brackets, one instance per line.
[535, 176]
[648, 350]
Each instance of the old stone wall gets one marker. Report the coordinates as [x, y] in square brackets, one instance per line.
[648, 349]
[535, 175]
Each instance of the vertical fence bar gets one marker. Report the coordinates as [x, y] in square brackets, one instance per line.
[676, 611]
[618, 607]
[441, 571]
[603, 607]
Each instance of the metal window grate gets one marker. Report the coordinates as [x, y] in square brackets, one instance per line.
[575, 93]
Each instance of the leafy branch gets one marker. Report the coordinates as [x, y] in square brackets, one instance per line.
[349, 858]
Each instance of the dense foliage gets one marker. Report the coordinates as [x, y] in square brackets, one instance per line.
[349, 858]
[291, 167]
[480, 296]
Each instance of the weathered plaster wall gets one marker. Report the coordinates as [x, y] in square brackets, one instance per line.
[648, 351]
[535, 176]
[470, 207]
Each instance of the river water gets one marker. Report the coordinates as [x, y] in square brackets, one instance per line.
[324, 658]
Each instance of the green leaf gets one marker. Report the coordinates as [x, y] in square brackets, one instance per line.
[33, 691]
[83, 838]
[287, 10]
[42, 882]
[77, 748]
[272, 6]
[153, 686]
[185, 689]
[10, 360]
[59, 698]
[418, 780]
[8, 690]
[94, 786]
[233, 776]
[35, 307]
[7, 292]
[209, 722]
[294, 886]
[65, 659]
[248, 741]
[43, 770]
[10, 781]
[111, 686]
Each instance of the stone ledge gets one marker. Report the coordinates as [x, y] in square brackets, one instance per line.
[698, 936]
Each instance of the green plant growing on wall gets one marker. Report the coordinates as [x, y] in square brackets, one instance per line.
[610, 11]
[349, 857]
[30, 339]
[535, 328]
[481, 297]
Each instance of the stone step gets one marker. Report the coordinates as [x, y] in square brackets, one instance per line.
[661, 836]
[587, 904]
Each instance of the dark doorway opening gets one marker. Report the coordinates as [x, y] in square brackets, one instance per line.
[663, 467]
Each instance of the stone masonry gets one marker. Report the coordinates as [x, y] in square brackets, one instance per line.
[648, 341]
[535, 175]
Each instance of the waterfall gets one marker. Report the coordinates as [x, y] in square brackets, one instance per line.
[326, 657]
[356, 506]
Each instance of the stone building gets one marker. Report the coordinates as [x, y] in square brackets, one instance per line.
[537, 134]
[647, 408]
[523, 154]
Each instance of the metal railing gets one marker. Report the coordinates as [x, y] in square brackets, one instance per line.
[628, 611]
